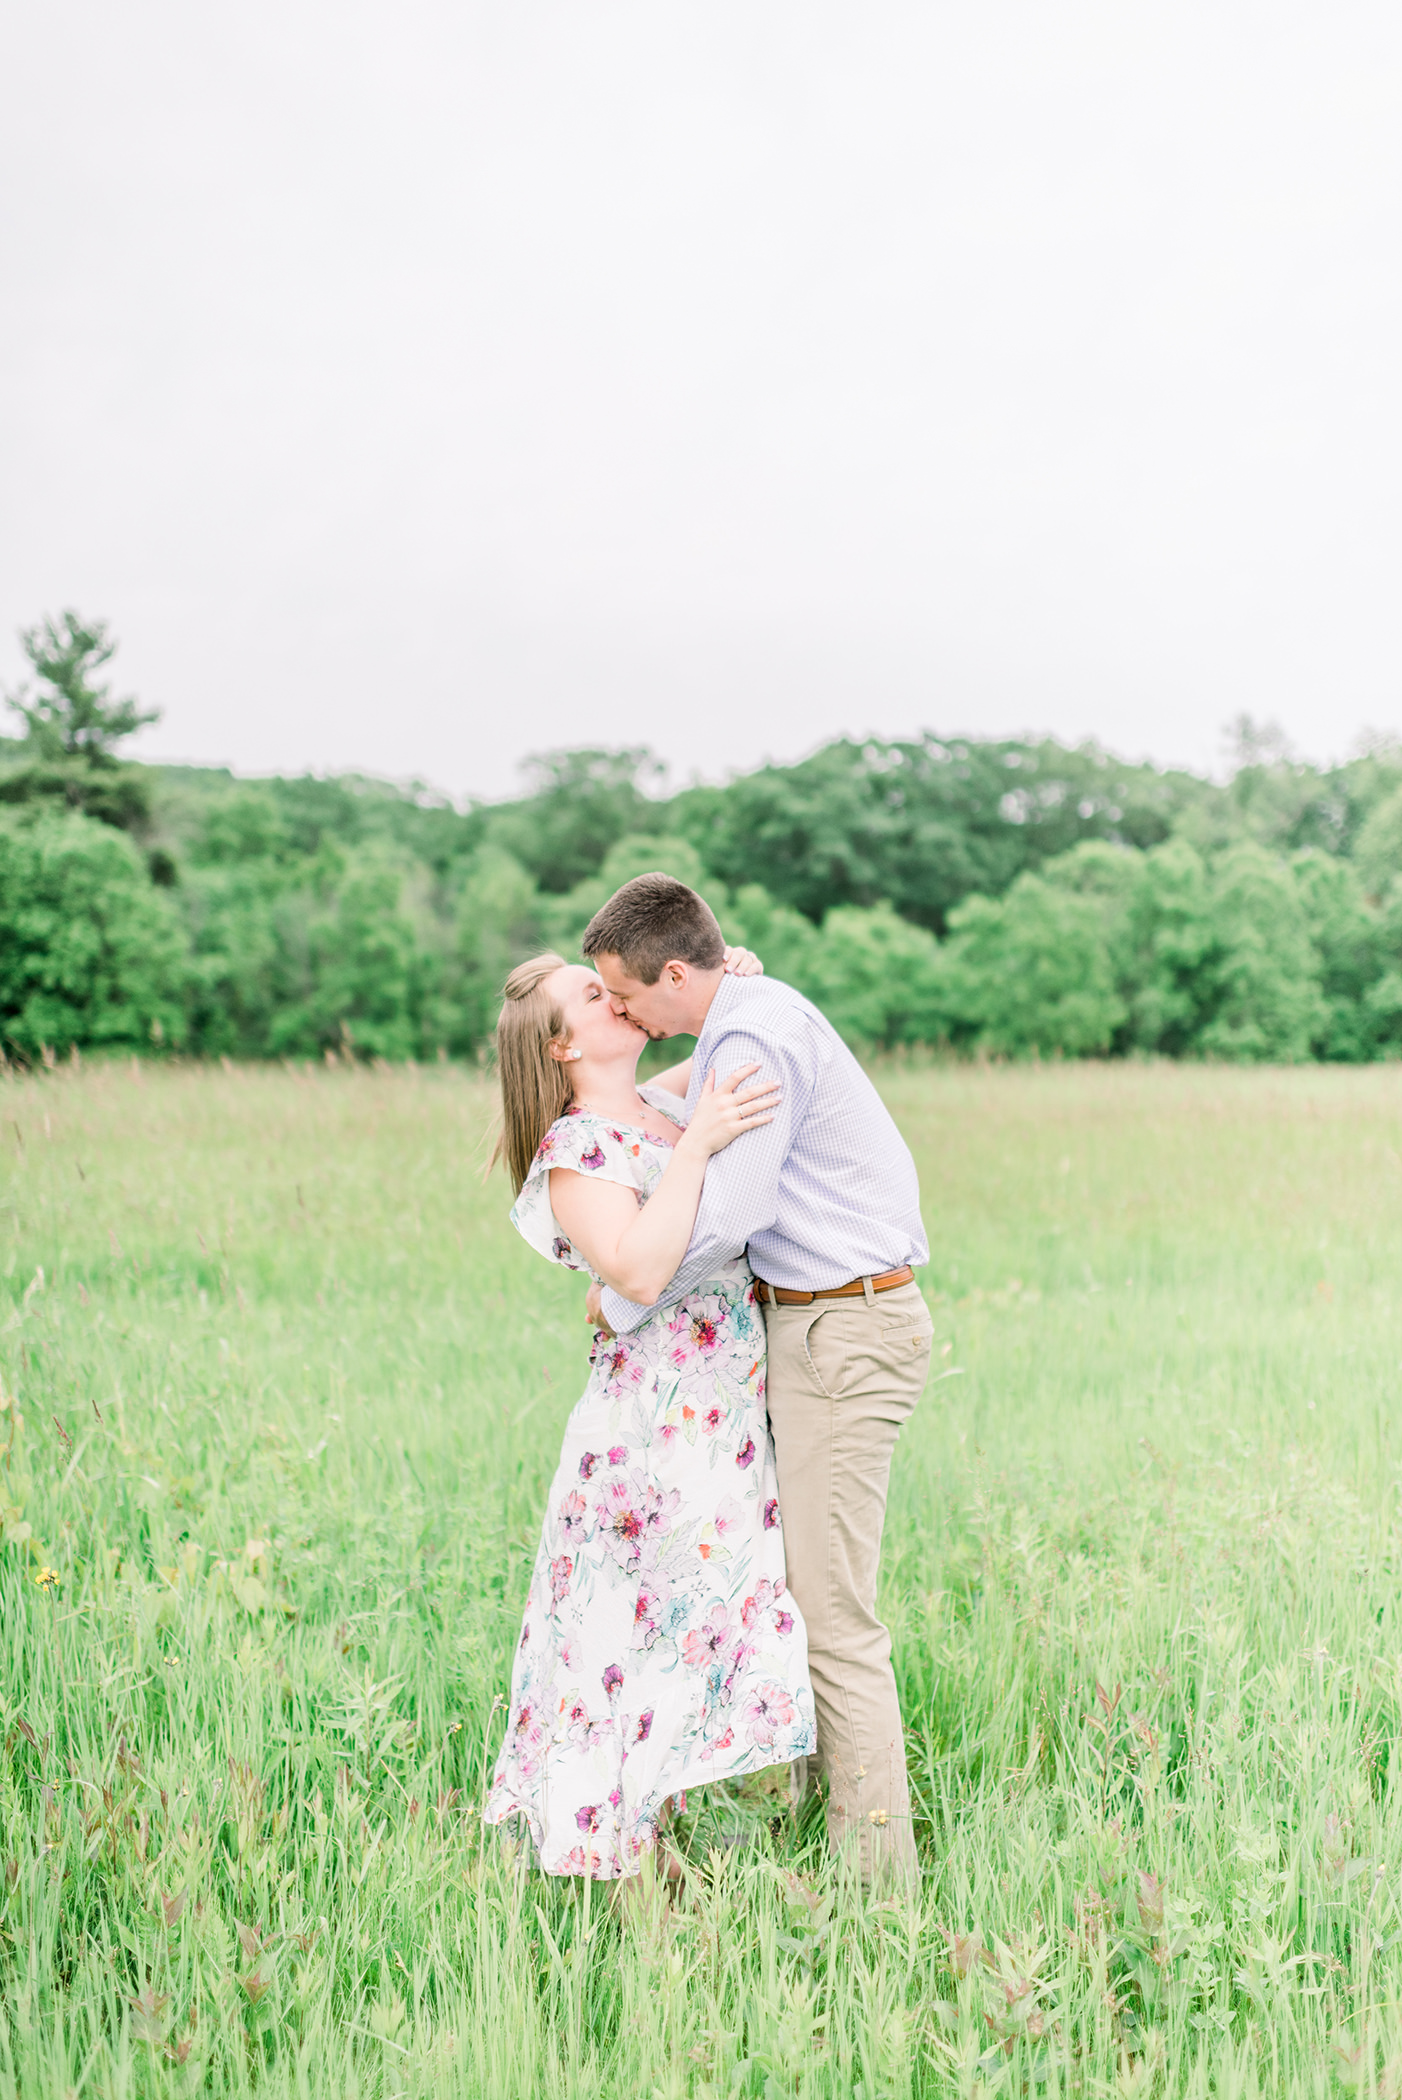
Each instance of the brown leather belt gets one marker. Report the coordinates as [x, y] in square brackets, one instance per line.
[771, 1294]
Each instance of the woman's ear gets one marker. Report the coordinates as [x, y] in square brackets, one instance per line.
[562, 1053]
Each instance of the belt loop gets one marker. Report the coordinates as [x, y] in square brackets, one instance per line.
[867, 1292]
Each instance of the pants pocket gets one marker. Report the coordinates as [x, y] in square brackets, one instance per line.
[824, 1363]
[853, 1349]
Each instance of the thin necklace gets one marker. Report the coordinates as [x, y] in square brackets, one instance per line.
[642, 1111]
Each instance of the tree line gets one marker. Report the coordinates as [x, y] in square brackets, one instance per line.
[1004, 896]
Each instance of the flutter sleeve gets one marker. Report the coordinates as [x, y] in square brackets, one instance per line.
[589, 1146]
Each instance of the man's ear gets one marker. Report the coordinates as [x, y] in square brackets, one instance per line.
[677, 975]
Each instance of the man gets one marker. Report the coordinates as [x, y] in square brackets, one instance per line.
[826, 1200]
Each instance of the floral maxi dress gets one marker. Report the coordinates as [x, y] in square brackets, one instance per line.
[660, 1648]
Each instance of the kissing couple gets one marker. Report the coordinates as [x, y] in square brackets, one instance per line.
[703, 1602]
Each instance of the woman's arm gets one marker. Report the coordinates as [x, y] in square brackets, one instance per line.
[675, 1080]
[637, 1249]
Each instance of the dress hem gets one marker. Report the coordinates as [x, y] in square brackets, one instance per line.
[696, 1775]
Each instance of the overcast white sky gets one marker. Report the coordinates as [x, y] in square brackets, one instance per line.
[417, 386]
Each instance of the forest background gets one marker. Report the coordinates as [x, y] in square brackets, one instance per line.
[1006, 897]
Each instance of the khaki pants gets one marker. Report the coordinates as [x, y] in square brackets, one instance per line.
[844, 1375]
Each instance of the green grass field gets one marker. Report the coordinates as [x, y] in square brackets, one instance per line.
[282, 1395]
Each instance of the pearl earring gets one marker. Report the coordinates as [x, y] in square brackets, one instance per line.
[574, 1053]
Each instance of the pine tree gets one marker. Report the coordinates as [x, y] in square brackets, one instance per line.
[70, 716]
[72, 728]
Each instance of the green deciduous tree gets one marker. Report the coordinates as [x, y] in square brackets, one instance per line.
[1348, 940]
[1170, 940]
[1032, 971]
[368, 979]
[564, 919]
[1266, 1002]
[781, 936]
[580, 805]
[921, 824]
[90, 953]
[497, 924]
[1378, 854]
[247, 924]
[876, 977]
[1089, 907]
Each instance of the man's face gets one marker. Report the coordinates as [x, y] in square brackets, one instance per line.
[658, 1009]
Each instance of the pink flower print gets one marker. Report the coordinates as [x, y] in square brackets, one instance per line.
[569, 1654]
[578, 1723]
[561, 1249]
[622, 1522]
[593, 1159]
[525, 1633]
[577, 1861]
[574, 1517]
[783, 1620]
[712, 1419]
[587, 1464]
[771, 1514]
[768, 1709]
[647, 1613]
[644, 1728]
[728, 1517]
[617, 1365]
[618, 1454]
[659, 1509]
[546, 1146]
[613, 1678]
[754, 1608]
[707, 1641]
[527, 1730]
[745, 1456]
[560, 1573]
[587, 1819]
[703, 1333]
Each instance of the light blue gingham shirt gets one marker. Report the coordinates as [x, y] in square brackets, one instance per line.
[825, 1192]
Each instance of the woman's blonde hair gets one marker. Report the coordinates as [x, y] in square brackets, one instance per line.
[535, 1086]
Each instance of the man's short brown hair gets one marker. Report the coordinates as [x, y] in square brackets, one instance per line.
[654, 920]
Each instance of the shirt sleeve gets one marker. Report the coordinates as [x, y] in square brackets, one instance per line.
[741, 1192]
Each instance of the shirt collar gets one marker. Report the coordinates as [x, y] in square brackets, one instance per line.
[727, 992]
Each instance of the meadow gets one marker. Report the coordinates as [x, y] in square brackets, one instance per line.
[282, 1393]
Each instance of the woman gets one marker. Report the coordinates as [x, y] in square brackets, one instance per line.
[660, 1649]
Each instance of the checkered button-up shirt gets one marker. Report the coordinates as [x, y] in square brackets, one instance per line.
[825, 1192]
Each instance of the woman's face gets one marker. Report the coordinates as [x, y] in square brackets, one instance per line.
[600, 1035]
